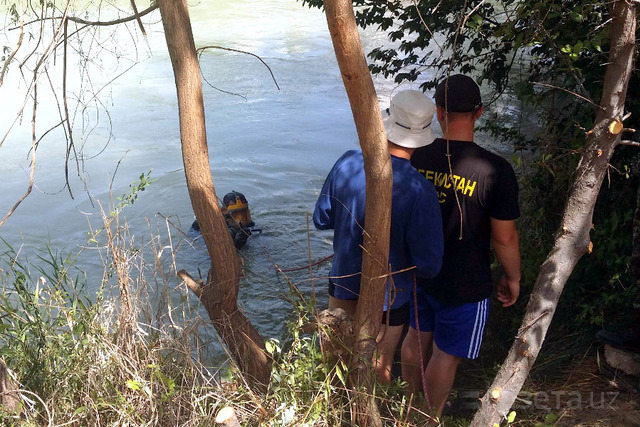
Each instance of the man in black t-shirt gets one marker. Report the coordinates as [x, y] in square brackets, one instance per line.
[478, 195]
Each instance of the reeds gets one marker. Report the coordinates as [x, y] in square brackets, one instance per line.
[124, 356]
[133, 354]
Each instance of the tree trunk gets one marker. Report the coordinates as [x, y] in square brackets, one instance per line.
[219, 295]
[9, 396]
[379, 180]
[572, 240]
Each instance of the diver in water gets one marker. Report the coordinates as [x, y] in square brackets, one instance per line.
[237, 216]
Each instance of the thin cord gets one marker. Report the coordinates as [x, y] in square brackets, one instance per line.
[446, 115]
[422, 370]
[455, 193]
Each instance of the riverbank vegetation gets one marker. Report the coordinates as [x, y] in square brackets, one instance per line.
[136, 353]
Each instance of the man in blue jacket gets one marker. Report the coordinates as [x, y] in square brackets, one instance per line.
[416, 225]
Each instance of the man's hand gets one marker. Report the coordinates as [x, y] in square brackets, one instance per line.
[504, 238]
[508, 291]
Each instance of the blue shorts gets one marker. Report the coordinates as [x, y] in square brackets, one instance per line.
[457, 329]
[398, 300]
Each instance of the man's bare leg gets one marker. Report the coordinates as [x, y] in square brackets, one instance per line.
[388, 339]
[439, 375]
[410, 356]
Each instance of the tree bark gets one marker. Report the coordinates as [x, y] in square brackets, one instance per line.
[9, 396]
[219, 294]
[572, 240]
[379, 181]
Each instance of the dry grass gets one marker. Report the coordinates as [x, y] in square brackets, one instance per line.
[135, 354]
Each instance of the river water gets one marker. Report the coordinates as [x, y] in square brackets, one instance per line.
[274, 145]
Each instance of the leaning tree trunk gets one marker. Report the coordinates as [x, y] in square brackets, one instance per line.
[379, 181]
[572, 240]
[219, 294]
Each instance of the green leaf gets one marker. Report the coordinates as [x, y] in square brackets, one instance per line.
[576, 16]
[272, 346]
[339, 374]
[517, 160]
[577, 48]
[511, 417]
[551, 417]
[134, 385]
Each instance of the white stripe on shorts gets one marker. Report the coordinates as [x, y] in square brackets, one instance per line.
[478, 328]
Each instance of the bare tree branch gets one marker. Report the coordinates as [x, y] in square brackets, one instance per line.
[424, 23]
[115, 21]
[33, 158]
[201, 49]
[569, 92]
[632, 143]
[137, 15]
[98, 23]
[70, 144]
[33, 89]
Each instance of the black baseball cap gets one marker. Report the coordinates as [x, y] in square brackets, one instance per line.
[463, 94]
